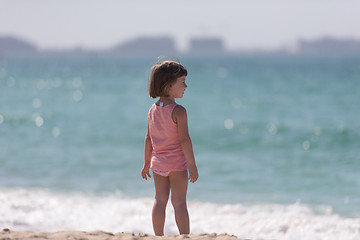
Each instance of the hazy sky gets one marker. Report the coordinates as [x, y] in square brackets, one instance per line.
[243, 24]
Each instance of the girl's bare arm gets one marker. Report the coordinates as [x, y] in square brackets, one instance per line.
[180, 117]
[147, 156]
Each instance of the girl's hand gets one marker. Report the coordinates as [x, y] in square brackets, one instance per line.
[145, 172]
[193, 173]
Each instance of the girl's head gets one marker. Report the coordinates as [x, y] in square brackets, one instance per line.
[163, 76]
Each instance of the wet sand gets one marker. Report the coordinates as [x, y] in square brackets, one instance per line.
[7, 234]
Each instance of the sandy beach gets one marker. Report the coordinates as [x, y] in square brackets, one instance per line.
[7, 234]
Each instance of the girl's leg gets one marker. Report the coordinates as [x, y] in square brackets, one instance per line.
[162, 190]
[178, 185]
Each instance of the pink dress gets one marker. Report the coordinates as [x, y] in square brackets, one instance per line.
[167, 154]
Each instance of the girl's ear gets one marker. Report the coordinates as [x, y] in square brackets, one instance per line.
[167, 89]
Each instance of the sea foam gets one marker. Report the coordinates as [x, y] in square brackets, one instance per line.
[42, 210]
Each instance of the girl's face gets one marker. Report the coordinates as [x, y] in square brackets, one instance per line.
[178, 88]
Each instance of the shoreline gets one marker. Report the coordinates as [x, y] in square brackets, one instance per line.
[102, 235]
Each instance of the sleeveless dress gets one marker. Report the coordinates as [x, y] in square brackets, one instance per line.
[167, 154]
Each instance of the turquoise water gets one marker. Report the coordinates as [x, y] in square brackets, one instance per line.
[267, 131]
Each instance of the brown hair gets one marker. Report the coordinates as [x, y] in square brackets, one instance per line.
[163, 75]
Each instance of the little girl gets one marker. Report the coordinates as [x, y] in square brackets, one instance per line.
[168, 148]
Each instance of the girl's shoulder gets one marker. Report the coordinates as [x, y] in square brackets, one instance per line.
[179, 111]
[152, 107]
[169, 107]
[179, 107]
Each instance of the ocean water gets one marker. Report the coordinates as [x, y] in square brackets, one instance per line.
[276, 139]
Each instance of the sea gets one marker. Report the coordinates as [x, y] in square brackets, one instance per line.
[276, 139]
